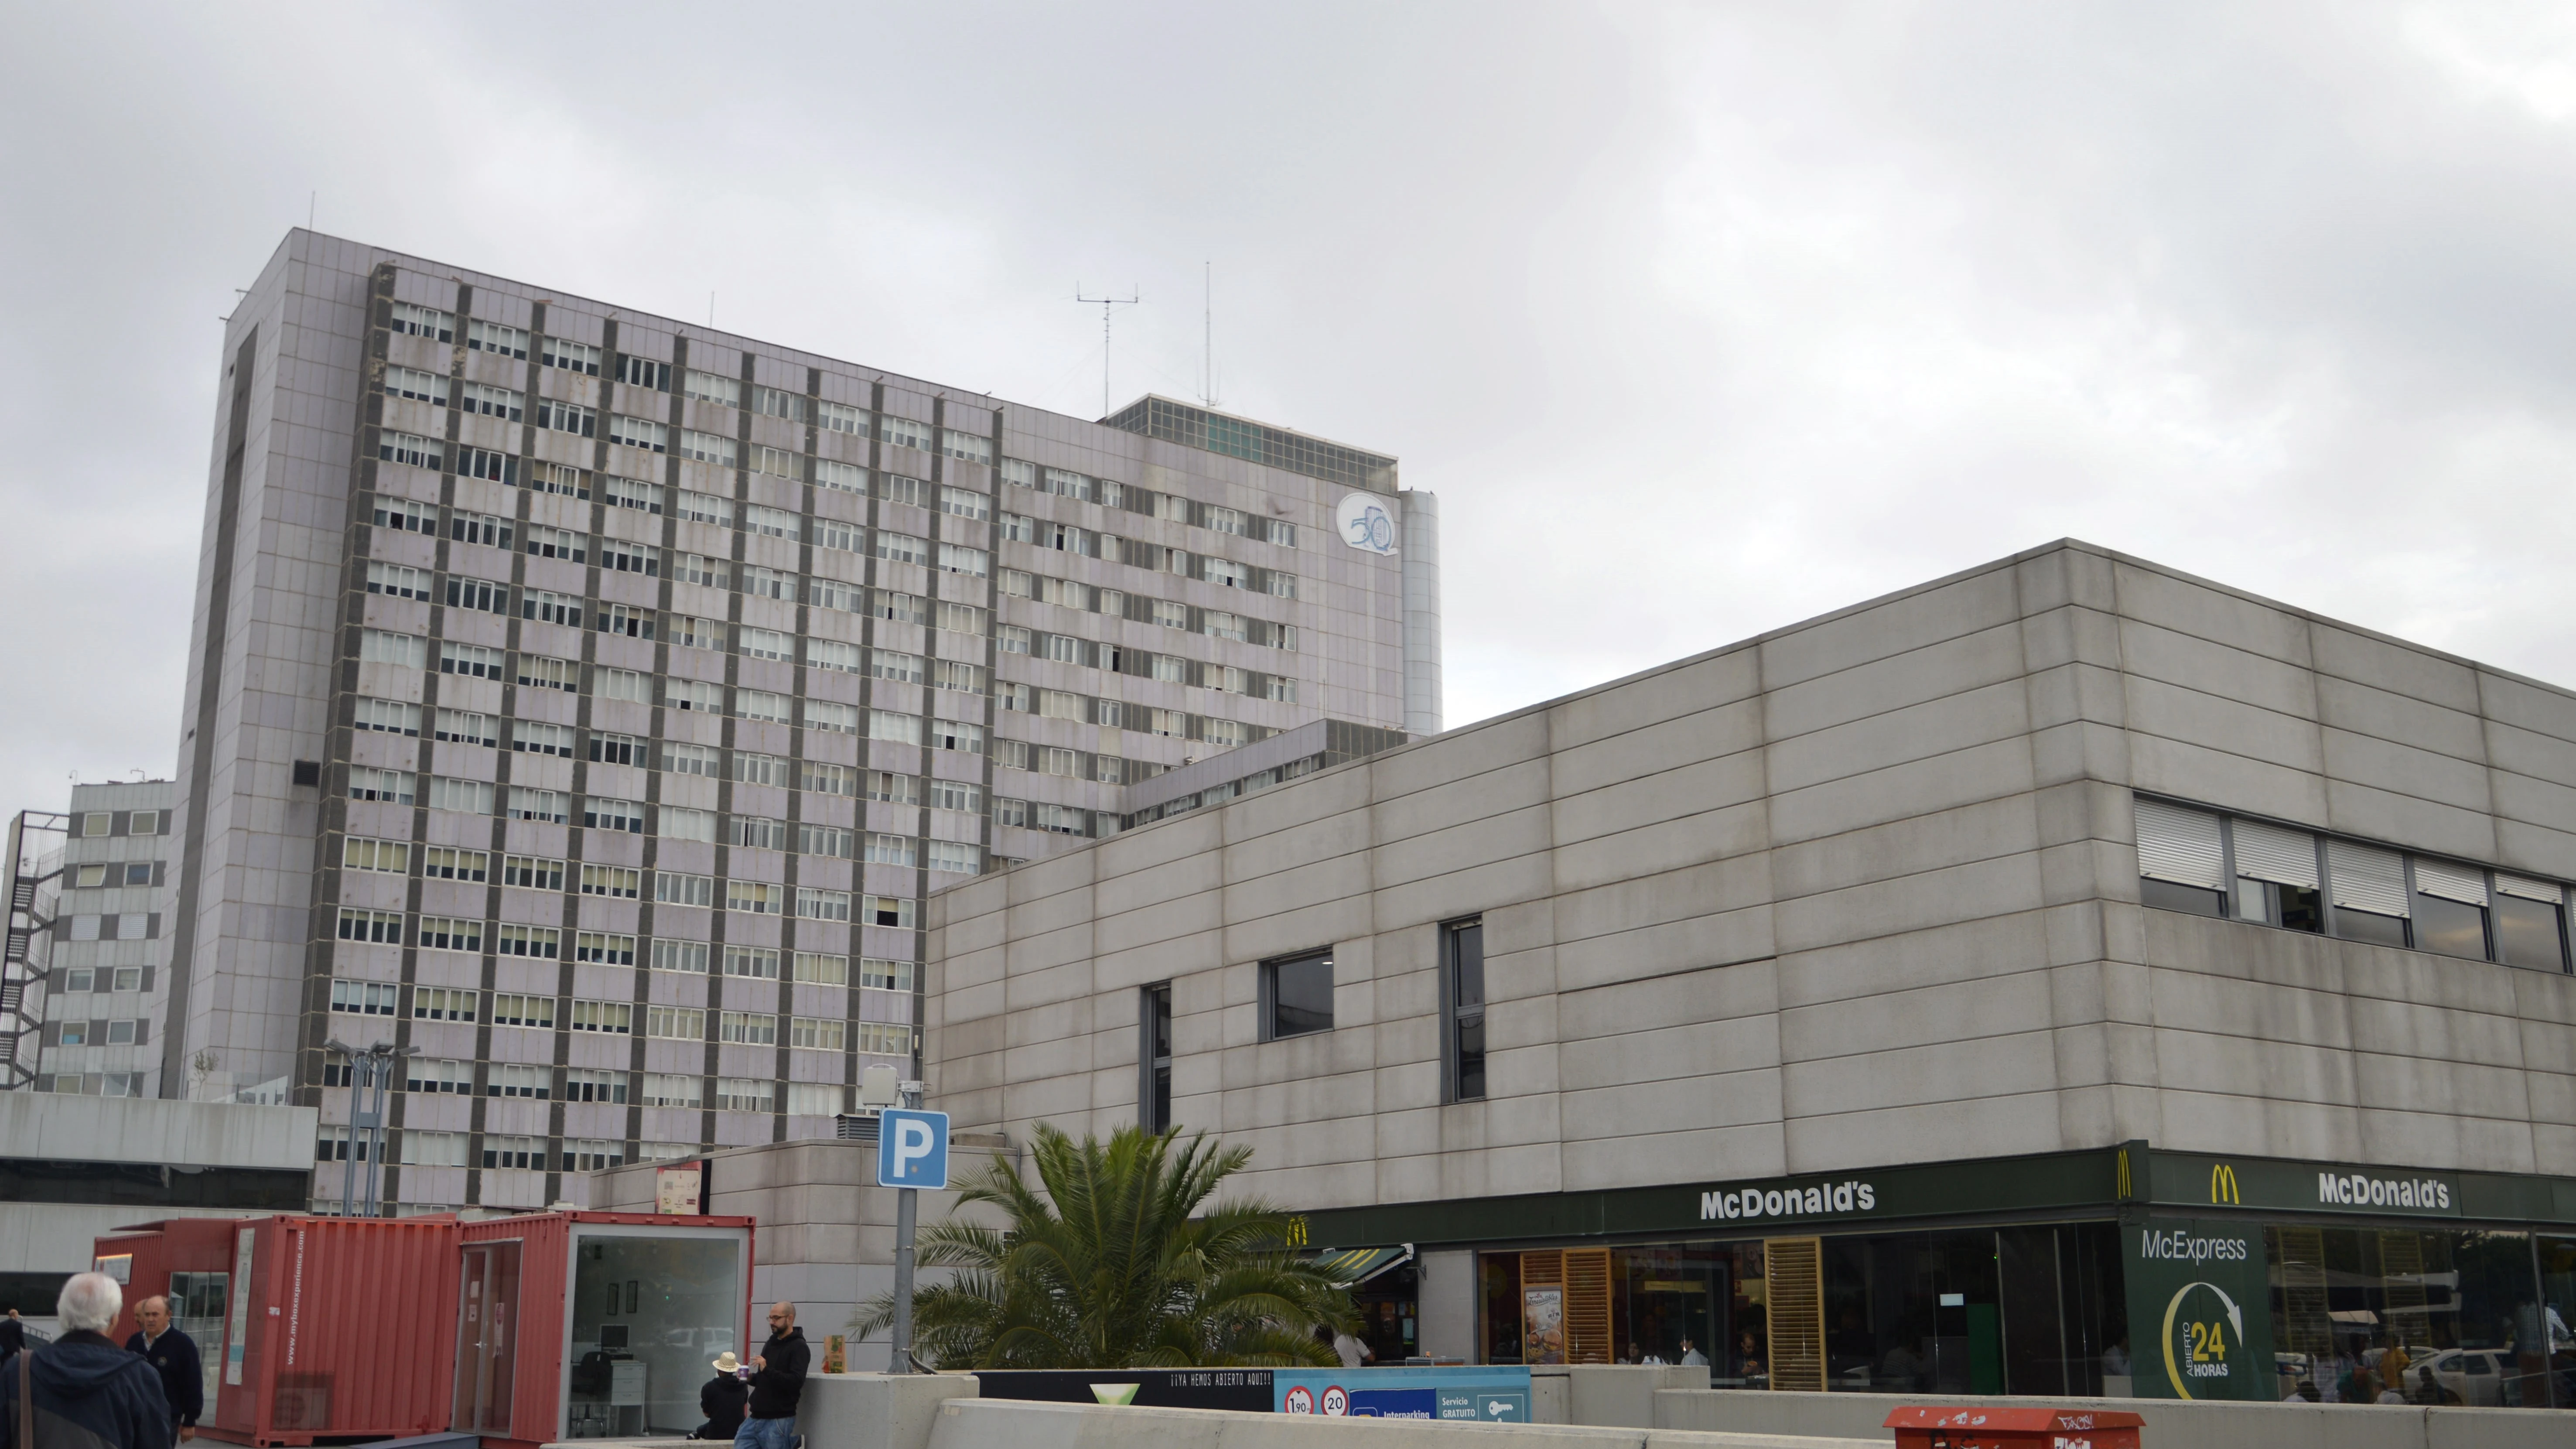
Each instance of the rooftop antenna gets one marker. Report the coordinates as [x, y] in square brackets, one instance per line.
[1207, 286]
[1106, 303]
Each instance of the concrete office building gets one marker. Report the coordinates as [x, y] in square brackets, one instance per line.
[100, 950]
[585, 700]
[2068, 976]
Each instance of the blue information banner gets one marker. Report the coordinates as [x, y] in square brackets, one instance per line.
[1489, 1394]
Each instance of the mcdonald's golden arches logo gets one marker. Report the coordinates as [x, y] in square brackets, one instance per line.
[2222, 1185]
[2124, 1172]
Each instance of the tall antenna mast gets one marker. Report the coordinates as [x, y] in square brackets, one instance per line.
[1207, 384]
[1106, 303]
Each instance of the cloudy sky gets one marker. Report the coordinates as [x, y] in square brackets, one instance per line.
[1700, 320]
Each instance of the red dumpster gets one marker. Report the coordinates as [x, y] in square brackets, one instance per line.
[2013, 1427]
[593, 1324]
[312, 1328]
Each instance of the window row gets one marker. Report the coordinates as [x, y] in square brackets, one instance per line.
[114, 875]
[1153, 557]
[2214, 864]
[96, 1032]
[1229, 790]
[96, 824]
[490, 530]
[503, 1008]
[98, 978]
[1144, 609]
[1066, 483]
[368, 926]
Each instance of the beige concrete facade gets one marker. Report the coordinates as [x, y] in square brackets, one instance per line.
[1859, 892]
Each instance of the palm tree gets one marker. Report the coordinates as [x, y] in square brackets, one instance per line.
[1108, 1268]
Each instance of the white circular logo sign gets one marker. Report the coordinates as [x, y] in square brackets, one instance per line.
[1365, 523]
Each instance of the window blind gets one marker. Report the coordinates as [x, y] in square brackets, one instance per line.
[2530, 890]
[2367, 878]
[2179, 845]
[2268, 852]
[2451, 882]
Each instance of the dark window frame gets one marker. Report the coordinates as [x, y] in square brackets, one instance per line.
[1462, 1069]
[1270, 999]
[1154, 1058]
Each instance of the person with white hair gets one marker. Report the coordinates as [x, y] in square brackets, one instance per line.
[82, 1391]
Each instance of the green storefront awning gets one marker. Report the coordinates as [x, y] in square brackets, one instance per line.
[1351, 1267]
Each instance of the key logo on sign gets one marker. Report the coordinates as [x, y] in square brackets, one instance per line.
[912, 1149]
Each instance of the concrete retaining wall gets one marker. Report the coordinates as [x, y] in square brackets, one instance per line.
[2171, 1424]
[1019, 1424]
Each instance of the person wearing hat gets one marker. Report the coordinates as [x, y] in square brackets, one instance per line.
[723, 1399]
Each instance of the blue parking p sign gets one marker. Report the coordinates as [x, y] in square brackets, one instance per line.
[912, 1149]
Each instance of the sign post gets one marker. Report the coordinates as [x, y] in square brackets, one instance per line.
[912, 1153]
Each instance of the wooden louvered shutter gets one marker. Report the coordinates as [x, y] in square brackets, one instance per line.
[1542, 1274]
[1587, 1305]
[1794, 1274]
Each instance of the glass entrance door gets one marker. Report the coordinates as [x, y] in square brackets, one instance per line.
[486, 1338]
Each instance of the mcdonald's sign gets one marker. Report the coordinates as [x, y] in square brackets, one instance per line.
[2123, 1193]
[2222, 1185]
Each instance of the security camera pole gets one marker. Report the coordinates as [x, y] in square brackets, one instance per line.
[912, 1153]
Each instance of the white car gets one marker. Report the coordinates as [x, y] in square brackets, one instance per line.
[2476, 1374]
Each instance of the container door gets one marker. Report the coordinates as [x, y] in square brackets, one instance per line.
[487, 1338]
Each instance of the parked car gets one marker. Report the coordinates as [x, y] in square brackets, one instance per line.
[2475, 1374]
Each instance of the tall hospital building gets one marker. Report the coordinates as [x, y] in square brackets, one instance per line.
[587, 701]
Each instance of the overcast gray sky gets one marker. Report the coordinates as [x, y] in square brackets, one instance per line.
[1700, 320]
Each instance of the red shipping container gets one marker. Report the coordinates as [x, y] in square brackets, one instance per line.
[330, 1327]
[618, 1314]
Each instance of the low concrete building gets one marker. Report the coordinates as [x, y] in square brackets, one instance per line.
[2065, 977]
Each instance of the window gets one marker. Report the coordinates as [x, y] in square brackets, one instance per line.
[957, 795]
[444, 1003]
[744, 1094]
[392, 857]
[480, 594]
[768, 583]
[630, 558]
[760, 704]
[1018, 585]
[816, 1033]
[1297, 995]
[676, 888]
[1056, 704]
[426, 387]
[405, 516]
[843, 477]
[833, 533]
[885, 724]
[956, 857]
[842, 418]
[364, 998]
[416, 321]
[678, 823]
[559, 478]
[663, 1089]
[491, 402]
[441, 933]
[626, 619]
[466, 797]
[586, 1154]
[612, 1018]
[764, 643]
[835, 655]
[964, 678]
[375, 646]
[1226, 520]
[617, 882]
[777, 462]
[713, 448]
[904, 431]
[895, 665]
[1060, 819]
[964, 502]
[558, 543]
[652, 437]
[511, 1009]
[678, 1023]
[1462, 1009]
[701, 695]
[2530, 923]
[578, 357]
[583, 1084]
[514, 1152]
[758, 963]
[1154, 1060]
[830, 840]
[550, 608]
[901, 608]
[816, 1099]
[689, 957]
[753, 768]
[902, 547]
[890, 850]
[748, 1028]
[759, 898]
[892, 788]
[415, 451]
[949, 734]
[485, 463]
[885, 975]
[556, 415]
[432, 1149]
[822, 905]
[958, 559]
[628, 493]
[436, 1074]
[532, 804]
[769, 522]
[966, 445]
[447, 862]
[474, 661]
[885, 1039]
[535, 737]
[704, 508]
[895, 911]
[709, 387]
[532, 872]
[641, 372]
[544, 943]
[1053, 760]
[397, 581]
[1012, 639]
[822, 970]
[387, 716]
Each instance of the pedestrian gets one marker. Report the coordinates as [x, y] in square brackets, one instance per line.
[1692, 1357]
[13, 1334]
[82, 1389]
[173, 1355]
[777, 1382]
[722, 1399]
[1351, 1351]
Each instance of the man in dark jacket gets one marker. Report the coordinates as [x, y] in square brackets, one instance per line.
[89, 1394]
[777, 1382]
[173, 1355]
[721, 1399]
